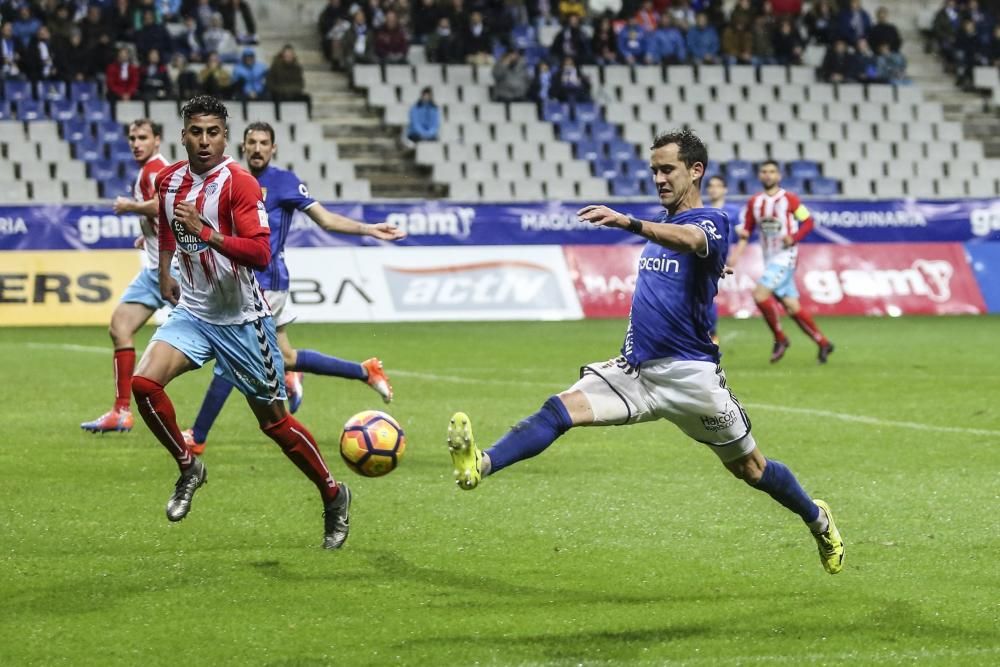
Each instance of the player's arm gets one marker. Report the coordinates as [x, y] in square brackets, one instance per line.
[743, 231]
[169, 289]
[682, 238]
[806, 223]
[334, 222]
[148, 208]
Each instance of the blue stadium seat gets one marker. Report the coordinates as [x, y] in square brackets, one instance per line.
[16, 89]
[131, 170]
[96, 110]
[50, 90]
[5, 112]
[605, 167]
[620, 149]
[114, 187]
[739, 169]
[793, 184]
[63, 110]
[570, 130]
[586, 112]
[119, 150]
[75, 129]
[103, 169]
[746, 186]
[555, 112]
[803, 169]
[523, 37]
[637, 169]
[88, 149]
[824, 186]
[588, 149]
[82, 91]
[625, 187]
[109, 131]
[535, 54]
[602, 131]
[29, 110]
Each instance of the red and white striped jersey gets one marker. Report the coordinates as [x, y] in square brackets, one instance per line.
[214, 288]
[143, 190]
[778, 215]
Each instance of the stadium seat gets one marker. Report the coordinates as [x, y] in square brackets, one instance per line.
[623, 186]
[739, 169]
[56, 150]
[30, 110]
[600, 130]
[13, 192]
[5, 111]
[460, 75]
[592, 187]
[82, 91]
[15, 90]
[606, 167]
[63, 109]
[528, 190]
[773, 75]
[103, 169]
[880, 93]
[824, 186]
[46, 191]
[679, 75]
[50, 90]
[587, 149]
[398, 75]
[509, 170]
[463, 191]
[620, 149]
[803, 169]
[560, 190]
[35, 171]
[571, 130]
[115, 187]
[95, 110]
[648, 75]
[743, 75]
[75, 130]
[586, 112]
[81, 191]
[499, 191]
[793, 184]
[69, 169]
[88, 149]
[555, 112]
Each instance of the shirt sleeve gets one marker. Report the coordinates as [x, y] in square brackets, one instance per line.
[714, 235]
[250, 243]
[802, 214]
[746, 219]
[165, 232]
[297, 194]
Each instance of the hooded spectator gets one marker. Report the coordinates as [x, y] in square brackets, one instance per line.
[703, 41]
[250, 77]
[425, 119]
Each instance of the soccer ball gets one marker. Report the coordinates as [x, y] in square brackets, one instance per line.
[372, 443]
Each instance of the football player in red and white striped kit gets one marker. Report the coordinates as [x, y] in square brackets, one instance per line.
[783, 222]
[211, 213]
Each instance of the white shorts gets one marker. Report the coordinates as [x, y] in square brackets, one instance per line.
[281, 308]
[691, 394]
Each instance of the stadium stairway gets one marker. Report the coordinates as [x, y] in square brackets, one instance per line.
[374, 149]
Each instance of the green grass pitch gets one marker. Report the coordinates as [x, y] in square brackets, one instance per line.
[617, 546]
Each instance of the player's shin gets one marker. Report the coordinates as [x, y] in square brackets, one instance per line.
[772, 315]
[124, 363]
[808, 326]
[778, 482]
[158, 412]
[310, 361]
[298, 445]
[531, 436]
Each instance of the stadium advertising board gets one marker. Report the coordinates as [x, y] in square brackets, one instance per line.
[59, 288]
[448, 224]
[984, 259]
[870, 279]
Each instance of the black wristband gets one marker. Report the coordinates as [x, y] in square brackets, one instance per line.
[634, 225]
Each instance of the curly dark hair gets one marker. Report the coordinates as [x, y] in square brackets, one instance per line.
[259, 126]
[204, 105]
[690, 148]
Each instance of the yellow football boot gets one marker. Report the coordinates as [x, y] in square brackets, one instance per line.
[465, 456]
[830, 543]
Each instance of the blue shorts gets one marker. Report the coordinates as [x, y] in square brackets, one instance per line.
[780, 280]
[145, 289]
[247, 355]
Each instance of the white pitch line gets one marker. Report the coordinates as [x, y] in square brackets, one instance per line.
[69, 347]
[828, 414]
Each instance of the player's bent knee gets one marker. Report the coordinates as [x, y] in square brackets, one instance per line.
[143, 387]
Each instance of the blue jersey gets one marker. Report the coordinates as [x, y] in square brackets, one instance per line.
[672, 304]
[284, 194]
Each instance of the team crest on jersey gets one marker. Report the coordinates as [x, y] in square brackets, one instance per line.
[188, 242]
[211, 189]
[263, 194]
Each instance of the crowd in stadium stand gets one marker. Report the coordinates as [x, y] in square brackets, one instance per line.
[967, 34]
[145, 49]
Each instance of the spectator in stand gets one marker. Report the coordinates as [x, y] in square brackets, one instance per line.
[945, 29]
[743, 13]
[425, 17]
[237, 18]
[10, 52]
[477, 42]
[763, 42]
[332, 22]
[969, 52]
[820, 21]
[982, 20]
[682, 14]
[26, 26]
[884, 32]
[456, 13]
[838, 63]
[890, 66]
[570, 41]
[214, 79]
[666, 43]
[60, 24]
[286, 80]
[865, 65]
[38, 62]
[570, 84]
[604, 45]
[441, 45]
[737, 44]
[647, 17]
[122, 21]
[569, 8]
[993, 51]
[203, 13]
[220, 40]
[359, 42]
[183, 81]
[155, 79]
[122, 77]
[187, 41]
[788, 43]
[703, 41]
[391, 44]
[511, 78]
[425, 119]
[632, 43]
[152, 35]
[853, 23]
[250, 77]
[74, 60]
[170, 10]
[543, 87]
[791, 8]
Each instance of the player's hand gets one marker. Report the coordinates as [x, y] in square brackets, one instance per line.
[727, 271]
[140, 242]
[788, 241]
[187, 214]
[170, 290]
[385, 231]
[602, 216]
[122, 205]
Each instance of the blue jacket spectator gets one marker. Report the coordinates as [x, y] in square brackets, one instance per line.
[703, 41]
[26, 25]
[853, 23]
[632, 43]
[250, 76]
[666, 43]
[151, 36]
[425, 119]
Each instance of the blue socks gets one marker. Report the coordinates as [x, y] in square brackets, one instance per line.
[531, 436]
[310, 361]
[211, 406]
[779, 483]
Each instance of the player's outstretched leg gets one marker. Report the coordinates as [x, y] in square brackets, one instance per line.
[466, 458]
[377, 379]
[808, 326]
[295, 390]
[215, 397]
[830, 543]
[310, 361]
[772, 316]
[119, 418]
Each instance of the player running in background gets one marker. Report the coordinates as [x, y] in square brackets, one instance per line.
[783, 222]
[668, 368]
[284, 194]
[142, 296]
[716, 190]
[211, 212]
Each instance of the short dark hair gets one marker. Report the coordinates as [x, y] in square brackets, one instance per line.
[690, 148]
[204, 105]
[718, 177]
[157, 128]
[259, 126]
[769, 161]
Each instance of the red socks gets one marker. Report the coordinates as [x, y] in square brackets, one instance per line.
[124, 362]
[158, 412]
[298, 445]
[806, 323]
[772, 315]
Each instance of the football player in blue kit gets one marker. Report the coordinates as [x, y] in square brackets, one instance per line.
[284, 194]
[668, 367]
